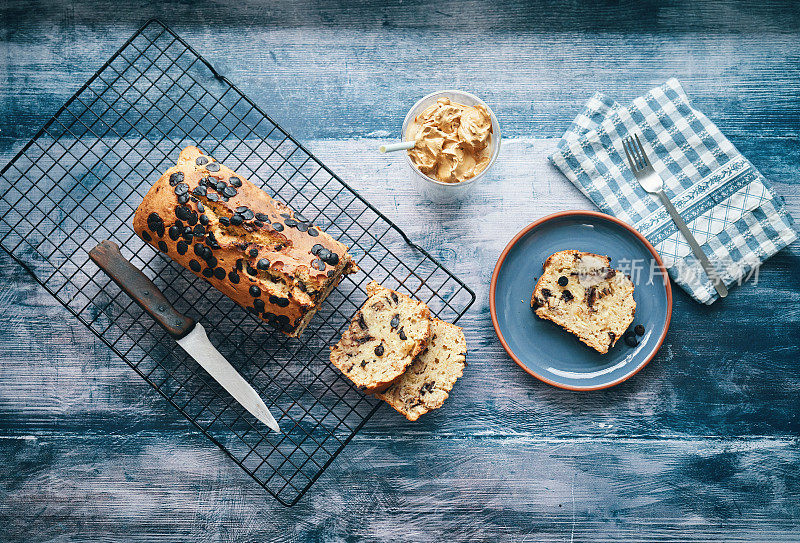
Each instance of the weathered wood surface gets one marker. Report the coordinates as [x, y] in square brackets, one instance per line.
[702, 444]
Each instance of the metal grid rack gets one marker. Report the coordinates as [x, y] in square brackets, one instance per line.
[79, 180]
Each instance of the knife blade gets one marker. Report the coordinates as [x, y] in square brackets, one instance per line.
[190, 335]
[197, 344]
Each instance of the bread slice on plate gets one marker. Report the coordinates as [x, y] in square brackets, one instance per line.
[582, 293]
[383, 338]
[426, 384]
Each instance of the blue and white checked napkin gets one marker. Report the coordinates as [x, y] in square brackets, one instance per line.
[730, 207]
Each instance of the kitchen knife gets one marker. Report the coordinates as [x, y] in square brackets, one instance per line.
[190, 335]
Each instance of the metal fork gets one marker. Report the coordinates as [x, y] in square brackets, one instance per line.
[652, 183]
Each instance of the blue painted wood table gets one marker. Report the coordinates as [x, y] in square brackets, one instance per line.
[700, 445]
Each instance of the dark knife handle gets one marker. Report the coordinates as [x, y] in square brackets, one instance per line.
[139, 287]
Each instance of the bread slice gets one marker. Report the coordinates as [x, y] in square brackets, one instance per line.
[383, 338]
[427, 383]
[581, 293]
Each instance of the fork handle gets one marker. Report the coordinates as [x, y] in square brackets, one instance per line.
[716, 280]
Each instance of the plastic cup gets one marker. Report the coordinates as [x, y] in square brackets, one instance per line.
[433, 189]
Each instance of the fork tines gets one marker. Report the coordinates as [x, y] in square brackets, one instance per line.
[634, 150]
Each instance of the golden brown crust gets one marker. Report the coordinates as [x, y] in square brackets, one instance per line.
[253, 248]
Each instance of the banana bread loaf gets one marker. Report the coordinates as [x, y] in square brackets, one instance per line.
[253, 248]
[427, 383]
[581, 293]
[383, 338]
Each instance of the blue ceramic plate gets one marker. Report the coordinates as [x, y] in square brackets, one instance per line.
[545, 350]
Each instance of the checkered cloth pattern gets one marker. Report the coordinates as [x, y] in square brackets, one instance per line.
[729, 206]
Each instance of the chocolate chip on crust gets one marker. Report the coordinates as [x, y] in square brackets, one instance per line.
[175, 178]
[183, 212]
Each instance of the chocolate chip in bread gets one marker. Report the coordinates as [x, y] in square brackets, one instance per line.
[383, 338]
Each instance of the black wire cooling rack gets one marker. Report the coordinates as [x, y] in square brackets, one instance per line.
[79, 180]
